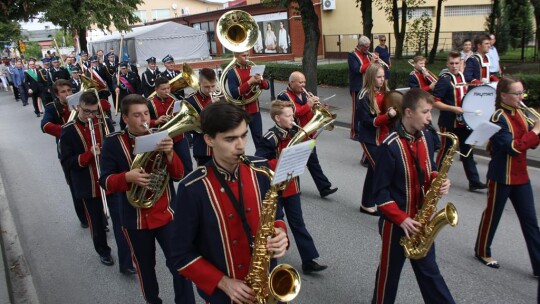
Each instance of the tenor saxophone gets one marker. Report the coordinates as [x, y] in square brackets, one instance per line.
[283, 283]
[418, 245]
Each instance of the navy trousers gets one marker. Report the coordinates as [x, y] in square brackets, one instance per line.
[255, 127]
[370, 152]
[182, 150]
[314, 167]
[469, 165]
[143, 250]
[354, 95]
[94, 213]
[522, 199]
[77, 202]
[124, 254]
[304, 241]
[429, 278]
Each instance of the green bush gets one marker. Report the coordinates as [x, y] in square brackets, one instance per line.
[532, 85]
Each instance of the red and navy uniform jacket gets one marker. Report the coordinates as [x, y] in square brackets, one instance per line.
[358, 64]
[240, 89]
[76, 154]
[116, 158]
[370, 127]
[418, 80]
[508, 147]
[55, 116]
[397, 190]
[209, 240]
[477, 68]
[199, 101]
[157, 107]
[302, 112]
[447, 92]
[273, 142]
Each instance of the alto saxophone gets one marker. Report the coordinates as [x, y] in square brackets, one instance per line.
[283, 283]
[419, 244]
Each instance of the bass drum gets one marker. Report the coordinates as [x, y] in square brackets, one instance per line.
[479, 104]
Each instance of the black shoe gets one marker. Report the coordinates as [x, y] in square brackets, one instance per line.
[128, 271]
[327, 191]
[106, 260]
[114, 123]
[312, 266]
[38, 115]
[369, 211]
[107, 229]
[477, 186]
[489, 262]
[84, 225]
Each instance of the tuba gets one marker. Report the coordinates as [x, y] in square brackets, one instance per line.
[322, 119]
[181, 81]
[140, 197]
[419, 244]
[238, 32]
[283, 283]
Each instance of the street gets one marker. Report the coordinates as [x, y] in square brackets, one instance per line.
[66, 269]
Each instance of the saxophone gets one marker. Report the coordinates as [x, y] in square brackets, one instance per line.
[283, 283]
[419, 244]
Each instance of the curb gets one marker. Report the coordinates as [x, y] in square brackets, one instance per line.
[18, 285]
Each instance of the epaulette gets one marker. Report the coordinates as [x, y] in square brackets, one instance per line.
[390, 138]
[190, 95]
[69, 123]
[115, 133]
[284, 92]
[269, 135]
[195, 175]
[257, 160]
[362, 94]
[497, 115]
[412, 73]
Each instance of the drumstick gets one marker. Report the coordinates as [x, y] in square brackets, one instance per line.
[477, 112]
[329, 97]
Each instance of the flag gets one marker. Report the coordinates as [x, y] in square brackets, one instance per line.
[125, 55]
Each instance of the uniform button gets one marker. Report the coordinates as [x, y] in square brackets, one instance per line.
[146, 215]
[222, 190]
[234, 242]
[231, 216]
[240, 266]
[248, 210]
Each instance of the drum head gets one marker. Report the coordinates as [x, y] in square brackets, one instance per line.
[479, 105]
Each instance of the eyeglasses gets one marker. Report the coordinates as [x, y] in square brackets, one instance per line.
[382, 40]
[88, 112]
[518, 93]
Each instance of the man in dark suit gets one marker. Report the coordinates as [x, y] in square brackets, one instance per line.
[75, 79]
[32, 85]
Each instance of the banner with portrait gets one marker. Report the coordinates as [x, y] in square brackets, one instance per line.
[274, 35]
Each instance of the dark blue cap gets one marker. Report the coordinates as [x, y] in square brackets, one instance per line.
[75, 69]
[167, 58]
[54, 59]
[124, 64]
[45, 60]
[151, 60]
[93, 58]
[82, 53]
[109, 54]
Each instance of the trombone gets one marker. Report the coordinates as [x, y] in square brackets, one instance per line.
[429, 75]
[531, 111]
[96, 157]
[379, 60]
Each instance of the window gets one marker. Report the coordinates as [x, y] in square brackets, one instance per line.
[417, 12]
[209, 28]
[141, 15]
[467, 10]
[161, 14]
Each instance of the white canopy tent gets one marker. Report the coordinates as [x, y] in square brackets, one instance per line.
[183, 43]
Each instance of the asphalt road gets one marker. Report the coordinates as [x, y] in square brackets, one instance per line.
[66, 269]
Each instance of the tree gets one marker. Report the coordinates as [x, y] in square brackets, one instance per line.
[62, 39]
[496, 24]
[312, 33]
[33, 50]
[433, 51]
[367, 16]
[15, 10]
[536, 6]
[10, 31]
[76, 16]
[517, 16]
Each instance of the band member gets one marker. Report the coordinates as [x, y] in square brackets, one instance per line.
[507, 173]
[149, 76]
[75, 79]
[404, 171]
[449, 92]
[372, 124]
[125, 85]
[274, 141]
[161, 110]
[224, 195]
[170, 73]
[56, 115]
[45, 83]
[241, 86]
[420, 77]
[302, 106]
[358, 61]
[477, 66]
[78, 155]
[200, 100]
[143, 226]
[31, 79]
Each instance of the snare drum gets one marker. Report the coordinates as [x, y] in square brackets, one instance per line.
[479, 104]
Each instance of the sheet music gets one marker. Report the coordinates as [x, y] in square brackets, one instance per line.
[176, 107]
[73, 100]
[292, 161]
[482, 133]
[147, 143]
[257, 69]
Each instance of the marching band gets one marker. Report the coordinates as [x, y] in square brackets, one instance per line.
[208, 227]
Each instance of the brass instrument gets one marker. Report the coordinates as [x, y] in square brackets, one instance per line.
[238, 32]
[88, 84]
[419, 244]
[530, 110]
[322, 118]
[96, 157]
[145, 197]
[379, 60]
[283, 283]
[183, 80]
[429, 75]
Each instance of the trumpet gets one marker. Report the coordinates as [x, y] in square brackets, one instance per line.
[429, 75]
[379, 60]
[530, 110]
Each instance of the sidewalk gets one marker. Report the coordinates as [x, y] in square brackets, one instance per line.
[341, 105]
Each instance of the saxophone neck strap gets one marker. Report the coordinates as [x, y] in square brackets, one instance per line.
[238, 204]
[419, 172]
